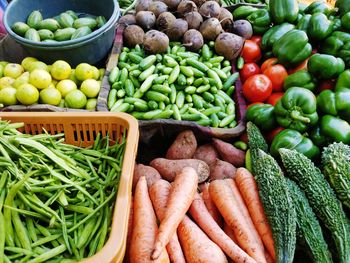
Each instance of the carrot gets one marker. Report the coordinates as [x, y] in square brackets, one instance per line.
[151, 174]
[181, 196]
[159, 193]
[129, 234]
[228, 230]
[201, 216]
[268, 257]
[249, 191]
[144, 228]
[223, 197]
[210, 205]
[198, 248]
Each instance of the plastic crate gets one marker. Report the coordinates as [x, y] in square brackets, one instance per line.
[81, 130]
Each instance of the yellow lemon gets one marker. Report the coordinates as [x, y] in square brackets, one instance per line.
[75, 99]
[40, 78]
[27, 61]
[60, 70]
[90, 88]
[13, 70]
[96, 72]
[27, 94]
[91, 104]
[65, 86]
[50, 96]
[6, 82]
[24, 78]
[8, 96]
[84, 71]
[37, 65]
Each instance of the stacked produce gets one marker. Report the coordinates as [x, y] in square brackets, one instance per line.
[66, 26]
[56, 200]
[33, 82]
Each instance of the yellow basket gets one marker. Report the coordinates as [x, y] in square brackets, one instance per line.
[80, 129]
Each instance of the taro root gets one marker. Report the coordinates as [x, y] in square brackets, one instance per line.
[177, 29]
[157, 8]
[193, 40]
[133, 35]
[172, 4]
[155, 42]
[243, 28]
[165, 20]
[194, 20]
[142, 5]
[229, 45]
[210, 9]
[226, 20]
[146, 19]
[127, 20]
[185, 7]
[210, 29]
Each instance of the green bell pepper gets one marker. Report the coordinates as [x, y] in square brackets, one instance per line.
[317, 137]
[343, 6]
[335, 103]
[335, 129]
[262, 115]
[297, 109]
[284, 10]
[336, 24]
[318, 7]
[345, 21]
[292, 48]
[319, 27]
[274, 34]
[324, 66]
[302, 79]
[243, 12]
[302, 7]
[343, 81]
[303, 23]
[260, 20]
[338, 44]
[294, 140]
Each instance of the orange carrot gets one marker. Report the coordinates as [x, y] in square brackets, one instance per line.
[222, 195]
[210, 205]
[201, 216]
[144, 227]
[198, 248]
[228, 230]
[159, 193]
[129, 234]
[249, 191]
[181, 196]
[268, 257]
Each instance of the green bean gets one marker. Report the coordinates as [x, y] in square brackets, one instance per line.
[2, 237]
[86, 233]
[50, 254]
[21, 231]
[31, 229]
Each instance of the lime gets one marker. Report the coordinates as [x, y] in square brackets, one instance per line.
[50, 96]
[6, 82]
[96, 73]
[24, 78]
[27, 94]
[75, 99]
[90, 88]
[65, 86]
[91, 104]
[84, 71]
[27, 61]
[13, 70]
[40, 78]
[8, 96]
[37, 65]
[60, 70]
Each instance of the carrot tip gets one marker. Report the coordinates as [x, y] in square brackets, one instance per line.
[155, 254]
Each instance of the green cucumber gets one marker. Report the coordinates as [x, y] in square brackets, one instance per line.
[32, 35]
[20, 28]
[66, 20]
[34, 19]
[50, 24]
[45, 34]
[64, 34]
[85, 21]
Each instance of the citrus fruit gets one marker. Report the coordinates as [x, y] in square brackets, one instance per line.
[90, 88]
[91, 104]
[24, 78]
[102, 73]
[74, 78]
[75, 99]
[13, 70]
[50, 96]
[40, 78]
[8, 96]
[62, 104]
[37, 65]
[65, 86]
[60, 70]
[84, 71]
[6, 82]
[3, 63]
[96, 73]
[27, 61]
[27, 94]
[1, 71]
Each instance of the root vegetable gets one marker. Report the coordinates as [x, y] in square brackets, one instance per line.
[214, 212]
[129, 234]
[142, 5]
[149, 172]
[210, 29]
[221, 170]
[193, 40]
[172, 4]
[226, 20]
[183, 147]
[229, 153]
[127, 20]
[185, 7]
[194, 20]
[180, 198]
[146, 19]
[243, 28]
[177, 29]
[165, 20]
[168, 169]
[155, 42]
[133, 35]
[228, 230]
[157, 8]
[210, 9]
[206, 153]
[224, 13]
[199, 3]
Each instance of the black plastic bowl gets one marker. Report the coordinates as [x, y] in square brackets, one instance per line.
[90, 49]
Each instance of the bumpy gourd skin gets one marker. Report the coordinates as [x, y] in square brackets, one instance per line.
[308, 226]
[321, 198]
[278, 206]
[336, 167]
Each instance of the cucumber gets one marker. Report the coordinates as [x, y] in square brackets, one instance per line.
[101, 21]
[45, 34]
[66, 20]
[50, 24]
[64, 34]
[85, 21]
[20, 28]
[34, 19]
[32, 35]
[81, 32]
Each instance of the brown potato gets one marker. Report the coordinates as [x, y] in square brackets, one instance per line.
[229, 153]
[183, 147]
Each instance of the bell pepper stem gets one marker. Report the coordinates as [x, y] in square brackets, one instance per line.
[296, 116]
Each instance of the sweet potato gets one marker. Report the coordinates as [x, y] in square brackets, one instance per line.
[149, 172]
[206, 153]
[183, 147]
[168, 169]
[221, 170]
[229, 153]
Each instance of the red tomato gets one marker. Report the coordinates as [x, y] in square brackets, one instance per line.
[268, 63]
[251, 51]
[274, 98]
[277, 74]
[244, 137]
[257, 40]
[302, 66]
[257, 88]
[249, 69]
[326, 84]
[272, 134]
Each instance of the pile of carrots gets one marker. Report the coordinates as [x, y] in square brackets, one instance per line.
[171, 221]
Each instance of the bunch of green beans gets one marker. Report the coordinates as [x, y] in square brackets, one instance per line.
[56, 200]
[181, 85]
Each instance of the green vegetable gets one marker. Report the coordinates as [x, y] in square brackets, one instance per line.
[64, 34]
[343, 6]
[81, 32]
[321, 197]
[335, 129]
[303, 23]
[34, 19]
[274, 34]
[302, 79]
[262, 115]
[85, 21]
[338, 45]
[45, 34]
[32, 35]
[325, 66]
[335, 103]
[317, 137]
[284, 10]
[345, 21]
[66, 20]
[318, 7]
[343, 80]
[242, 12]
[260, 20]
[20, 28]
[50, 24]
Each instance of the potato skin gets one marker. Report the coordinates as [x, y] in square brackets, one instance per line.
[222, 170]
[149, 172]
[206, 153]
[183, 147]
[229, 153]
